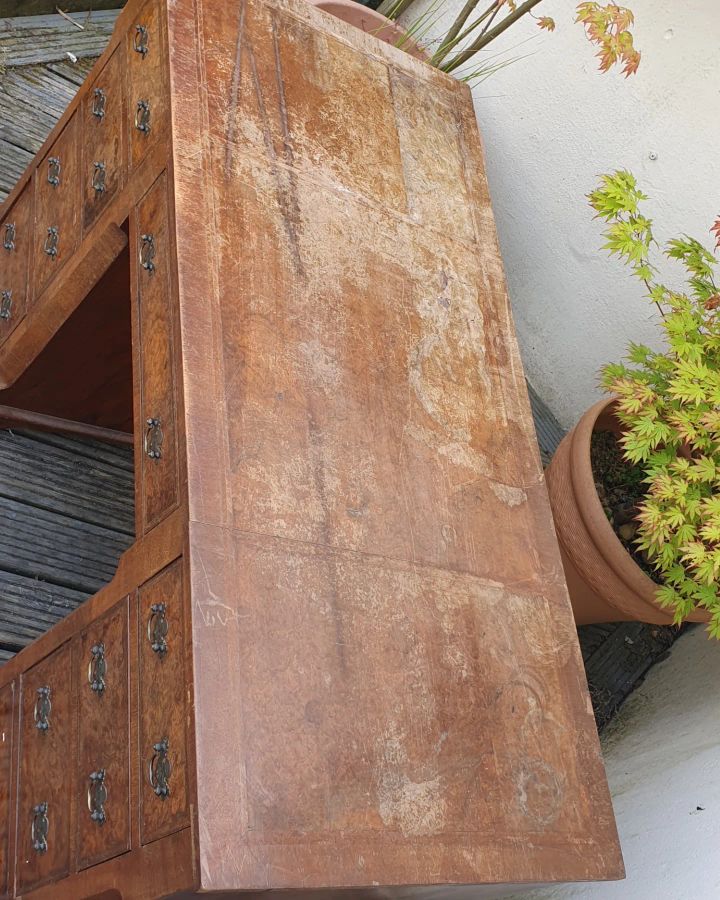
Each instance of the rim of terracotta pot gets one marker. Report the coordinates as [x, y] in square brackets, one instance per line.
[607, 542]
[642, 589]
[381, 27]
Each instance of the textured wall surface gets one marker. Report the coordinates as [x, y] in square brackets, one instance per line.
[551, 123]
[662, 755]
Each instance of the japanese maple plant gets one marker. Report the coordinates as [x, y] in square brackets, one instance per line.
[668, 404]
[478, 23]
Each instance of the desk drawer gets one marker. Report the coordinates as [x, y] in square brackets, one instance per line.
[46, 749]
[148, 109]
[103, 787]
[6, 744]
[158, 483]
[103, 139]
[15, 252]
[162, 687]
[57, 198]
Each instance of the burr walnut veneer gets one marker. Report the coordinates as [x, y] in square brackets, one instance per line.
[340, 653]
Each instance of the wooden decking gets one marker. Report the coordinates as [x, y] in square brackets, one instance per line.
[66, 505]
[43, 61]
[66, 516]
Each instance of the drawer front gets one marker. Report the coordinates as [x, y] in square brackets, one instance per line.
[16, 238]
[57, 198]
[103, 138]
[148, 109]
[158, 485]
[46, 731]
[6, 744]
[103, 791]
[163, 757]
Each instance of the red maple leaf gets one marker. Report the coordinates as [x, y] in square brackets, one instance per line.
[632, 61]
[716, 231]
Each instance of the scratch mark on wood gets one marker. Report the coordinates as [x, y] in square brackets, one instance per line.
[288, 204]
[281, 97]
[235, 90]
[294, 218]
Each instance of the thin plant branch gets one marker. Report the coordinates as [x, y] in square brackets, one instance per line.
[486, 37]
[393, 9]
[454, 31]
[457, 40]
[69, 18]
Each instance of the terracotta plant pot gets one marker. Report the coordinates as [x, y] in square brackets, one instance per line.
[605, 583]
[371, 22]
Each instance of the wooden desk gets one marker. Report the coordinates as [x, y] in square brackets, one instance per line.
[340, 652]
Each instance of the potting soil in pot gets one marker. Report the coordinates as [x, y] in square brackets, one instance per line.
[620, 488]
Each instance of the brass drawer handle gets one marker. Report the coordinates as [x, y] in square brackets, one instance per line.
[157, 629]
[40, 828]
[98, 104]
[141, 39]
[142, 116]
[51, 242]
[154, 438]
[97, 668]
[98, 179]
[6, 305]
[97, 796]
[43, 708]
[54, 167]
[160, 769]
[147, 252]
[9, 241]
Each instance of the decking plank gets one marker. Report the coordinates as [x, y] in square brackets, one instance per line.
[28, 40]
[112, 455]
[66, 517]
[30, 607]
[66, 483]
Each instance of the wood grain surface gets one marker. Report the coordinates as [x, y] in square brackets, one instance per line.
[104, 138]
[45, 776]
[104, 739]
[374, 575]
[7, 733]
[16, 236]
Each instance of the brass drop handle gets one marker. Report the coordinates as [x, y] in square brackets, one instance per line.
[153, 438]
[51, 241]
[97, 668]
[54, 168]
[157, 629]
[147, 252]
[160, 769]
[142, 116]
[98, 179]
[141, 40]
[6, 305]
[40, 828]
[99, 103]
[9, 240]
[97, 796]
[43, 708]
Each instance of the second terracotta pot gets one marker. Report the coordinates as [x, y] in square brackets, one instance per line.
[605, 583]
[371, 22]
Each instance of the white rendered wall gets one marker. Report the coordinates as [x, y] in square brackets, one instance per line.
[551, 123]
[662, 755]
